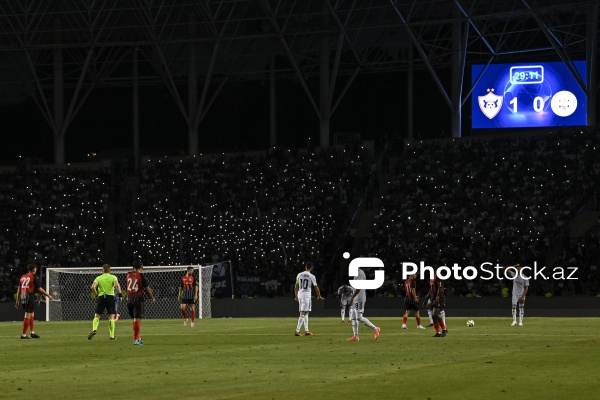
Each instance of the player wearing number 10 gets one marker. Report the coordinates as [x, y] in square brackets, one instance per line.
[137, 284]
[303, 290]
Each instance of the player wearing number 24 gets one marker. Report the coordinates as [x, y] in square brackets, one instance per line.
[305, 281]
[137, 284]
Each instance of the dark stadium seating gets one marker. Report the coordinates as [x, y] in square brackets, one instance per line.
[504, 200]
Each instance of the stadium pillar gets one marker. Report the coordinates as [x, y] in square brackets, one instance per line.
[325, 104]
[272, 104]
[457, 73]
[192, 90]
[410, 95]
[59, 98]
[136, 112]
[592, 53]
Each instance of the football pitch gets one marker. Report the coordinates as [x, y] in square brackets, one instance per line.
[260, 358]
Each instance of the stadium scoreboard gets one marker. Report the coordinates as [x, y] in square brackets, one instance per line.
[527, 95]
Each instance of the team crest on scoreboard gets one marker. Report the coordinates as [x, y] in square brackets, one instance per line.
[490, 104]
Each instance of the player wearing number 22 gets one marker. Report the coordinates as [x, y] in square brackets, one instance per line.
[104, 288]
[305, 281]
[29, 284]
[137, 284]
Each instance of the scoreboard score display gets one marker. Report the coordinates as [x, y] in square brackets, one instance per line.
[527, 95]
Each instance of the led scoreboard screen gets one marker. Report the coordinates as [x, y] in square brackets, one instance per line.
[528, 95]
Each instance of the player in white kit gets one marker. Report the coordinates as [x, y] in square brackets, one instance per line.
[345, 293]
[357, 309]
[305, 281]
[519, 291]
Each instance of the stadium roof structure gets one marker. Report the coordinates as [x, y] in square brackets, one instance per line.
[194, 47]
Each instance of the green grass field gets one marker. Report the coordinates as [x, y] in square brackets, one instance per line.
[259, 358]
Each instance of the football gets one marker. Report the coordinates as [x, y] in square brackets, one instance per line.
[470, 323]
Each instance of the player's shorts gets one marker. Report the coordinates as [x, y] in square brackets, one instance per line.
[28, 303]
[345, 302]
[439, 305]
[517, 300]
[304, 304]
[105, 302]
[410, 304]
[357, 310]
[188, 301]
[136, 308]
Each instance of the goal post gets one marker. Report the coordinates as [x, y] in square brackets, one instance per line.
[71, 288]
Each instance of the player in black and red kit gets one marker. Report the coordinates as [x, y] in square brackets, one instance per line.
[188, 294]
[438, 302]
[411, 301]
[137, 284]
[29, 285]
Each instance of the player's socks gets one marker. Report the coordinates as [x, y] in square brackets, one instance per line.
[443, 315]
[111, 328]
[193, 316]
[355, 327]
[31, 329]
[521, 313]
[95, 324]
[306, 323]
[184, 313]
[514, 313]
[136, 329]
[430, 315]
[367, 323]
[343, 313]
[300, 323]
[418, 320]
[443, 325]
[436, 326]
[404, 320]
[25, 325]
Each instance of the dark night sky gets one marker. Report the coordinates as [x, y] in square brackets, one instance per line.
[239, 118]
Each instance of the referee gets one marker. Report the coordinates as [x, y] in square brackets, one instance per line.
[104, 288]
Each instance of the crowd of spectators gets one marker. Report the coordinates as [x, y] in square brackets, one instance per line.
[584, 254]
[53, 216]
[503, 201]
[473, 201]
[268, 214]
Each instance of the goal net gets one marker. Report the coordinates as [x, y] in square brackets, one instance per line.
[71, 289]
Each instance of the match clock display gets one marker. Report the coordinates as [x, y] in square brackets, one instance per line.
[527, 95]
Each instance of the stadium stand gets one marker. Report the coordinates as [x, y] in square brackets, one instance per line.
[501, 200]
[510, 199]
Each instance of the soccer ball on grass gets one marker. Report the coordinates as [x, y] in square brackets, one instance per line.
[470, 323]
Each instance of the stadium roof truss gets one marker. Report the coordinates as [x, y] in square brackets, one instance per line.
[197, 46]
